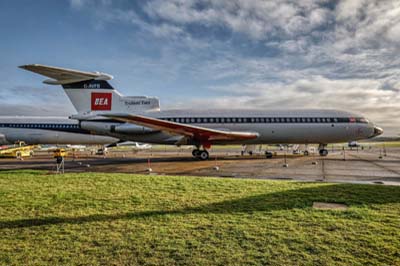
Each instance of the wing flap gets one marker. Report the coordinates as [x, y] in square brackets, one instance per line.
[198, 133]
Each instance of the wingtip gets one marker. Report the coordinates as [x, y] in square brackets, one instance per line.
[27, 66]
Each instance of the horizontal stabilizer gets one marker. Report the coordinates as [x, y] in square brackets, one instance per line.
[61, 76]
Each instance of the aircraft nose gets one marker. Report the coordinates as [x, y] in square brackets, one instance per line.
[377, 131]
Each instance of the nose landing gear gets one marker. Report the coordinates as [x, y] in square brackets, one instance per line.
[322, 150]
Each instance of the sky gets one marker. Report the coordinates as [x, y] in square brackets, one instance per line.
[203, 54]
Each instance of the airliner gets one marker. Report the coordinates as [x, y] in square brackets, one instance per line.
[103, 110]
[48, 130]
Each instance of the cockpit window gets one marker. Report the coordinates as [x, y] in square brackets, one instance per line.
[362, 120]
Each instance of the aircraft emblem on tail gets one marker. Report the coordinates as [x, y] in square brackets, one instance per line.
[101, 101]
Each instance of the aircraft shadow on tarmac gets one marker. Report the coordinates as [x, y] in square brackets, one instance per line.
[352, 195]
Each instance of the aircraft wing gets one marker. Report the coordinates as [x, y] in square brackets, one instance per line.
[198, 133]
[61, 76]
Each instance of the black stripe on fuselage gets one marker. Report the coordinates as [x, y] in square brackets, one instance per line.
[71, 128]
[264, 120]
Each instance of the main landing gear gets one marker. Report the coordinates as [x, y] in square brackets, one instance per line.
[306, 152]
[200, 154]
[322, 150]
[268, 154]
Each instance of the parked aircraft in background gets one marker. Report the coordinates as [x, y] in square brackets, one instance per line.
[135, 145]
[105, 111]
[48, 130]
[353, 144]
[76, 147]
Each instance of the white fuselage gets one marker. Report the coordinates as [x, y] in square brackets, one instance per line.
[272, 126]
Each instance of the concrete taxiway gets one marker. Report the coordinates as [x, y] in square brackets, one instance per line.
[362, 166]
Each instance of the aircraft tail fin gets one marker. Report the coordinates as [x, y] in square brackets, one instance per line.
[90, 92]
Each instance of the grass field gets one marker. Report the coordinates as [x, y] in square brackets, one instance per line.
[122, 219]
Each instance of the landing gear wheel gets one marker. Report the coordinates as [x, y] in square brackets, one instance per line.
[268, 154]
[203, 155]
[196, 152]
[306, 153]
[323, 152]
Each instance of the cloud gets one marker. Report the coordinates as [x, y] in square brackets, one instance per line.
[256, 19]
[77, 4]
[48, 100]
[35, 110]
